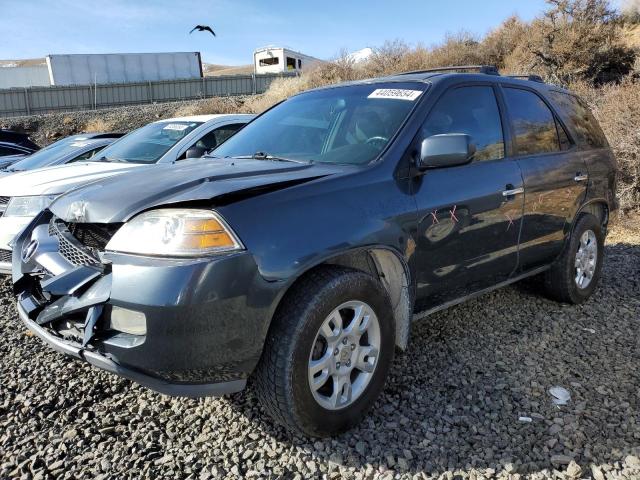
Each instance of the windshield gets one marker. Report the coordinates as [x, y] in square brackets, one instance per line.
[350, 124]
[51, 153]
[147, 144]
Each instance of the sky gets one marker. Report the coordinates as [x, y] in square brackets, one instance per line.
[36, 28]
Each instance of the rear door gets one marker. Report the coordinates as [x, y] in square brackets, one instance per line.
[555, 176]
[469, 215]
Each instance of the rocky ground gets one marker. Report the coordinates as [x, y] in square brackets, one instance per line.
[451, 408]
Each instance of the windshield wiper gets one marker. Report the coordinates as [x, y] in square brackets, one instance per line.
[266, 156]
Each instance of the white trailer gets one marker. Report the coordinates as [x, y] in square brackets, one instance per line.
[274, 59]
[23, 77]
[85, 69]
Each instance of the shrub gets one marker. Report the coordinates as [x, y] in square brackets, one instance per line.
[95, 124]
[616, 108]
[578, 40]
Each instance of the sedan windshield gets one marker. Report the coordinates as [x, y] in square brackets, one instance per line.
[50, 154]
[147, 144]
[350, 124]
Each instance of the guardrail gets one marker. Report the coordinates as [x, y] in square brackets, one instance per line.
[34, 100]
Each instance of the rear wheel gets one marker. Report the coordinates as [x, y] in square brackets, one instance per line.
[328, 352]
[574, 276]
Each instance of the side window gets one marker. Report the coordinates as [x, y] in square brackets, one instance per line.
[215, 138]
[575, 111]
[533, 123]
[218, 136]
[266, 62]
[472, 111]
[225, 133]
[86, 155]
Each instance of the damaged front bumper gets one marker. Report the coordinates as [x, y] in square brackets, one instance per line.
[206, 319]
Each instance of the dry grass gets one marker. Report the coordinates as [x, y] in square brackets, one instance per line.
[97, 124]
[280, 89]
[210, 106]
[625, 229]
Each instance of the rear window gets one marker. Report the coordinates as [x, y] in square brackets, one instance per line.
[576, 113]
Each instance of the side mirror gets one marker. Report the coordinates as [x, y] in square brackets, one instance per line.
[195, 152]
[446, 150]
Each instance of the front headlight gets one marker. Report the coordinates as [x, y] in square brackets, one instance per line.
[175, 232]
[28, 206]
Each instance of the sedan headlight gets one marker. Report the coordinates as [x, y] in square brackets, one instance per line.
[28, 206]
[175, 232]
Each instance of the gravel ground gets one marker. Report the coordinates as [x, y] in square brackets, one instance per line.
[450, 409]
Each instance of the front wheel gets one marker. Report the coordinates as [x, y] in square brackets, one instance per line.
[574, 276]
[328, 352]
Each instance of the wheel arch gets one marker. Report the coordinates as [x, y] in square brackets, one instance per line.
[391, 270]
[598, 207]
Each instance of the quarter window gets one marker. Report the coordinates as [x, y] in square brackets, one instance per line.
[533, 123]
[587, 130]
[472, 111]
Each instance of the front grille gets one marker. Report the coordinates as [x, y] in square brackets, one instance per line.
[93, 235]
[69, 248]
[6, 256]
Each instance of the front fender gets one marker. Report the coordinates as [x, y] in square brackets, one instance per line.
[290, 231]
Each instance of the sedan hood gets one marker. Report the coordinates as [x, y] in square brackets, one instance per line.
[119, 198]
[61, 178]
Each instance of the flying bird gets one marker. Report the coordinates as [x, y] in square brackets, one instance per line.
[203, 28]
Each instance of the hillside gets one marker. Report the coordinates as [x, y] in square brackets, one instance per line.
[213, 70]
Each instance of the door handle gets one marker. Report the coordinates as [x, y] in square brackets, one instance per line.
[580, 177]
[512, 192]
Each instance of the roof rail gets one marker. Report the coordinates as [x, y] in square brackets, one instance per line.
[486, 69]
[531, 78]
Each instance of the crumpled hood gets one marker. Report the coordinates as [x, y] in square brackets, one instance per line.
[60, 178]
[117, 199]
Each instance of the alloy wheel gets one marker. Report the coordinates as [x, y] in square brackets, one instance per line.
[344, 355]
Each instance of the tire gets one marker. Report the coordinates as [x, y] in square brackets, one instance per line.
[561, 280]
[283, 380]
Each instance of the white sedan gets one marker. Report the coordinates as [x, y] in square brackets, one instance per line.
[23, 195]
